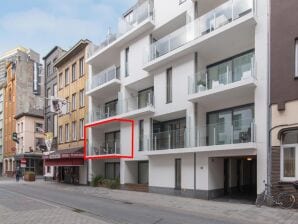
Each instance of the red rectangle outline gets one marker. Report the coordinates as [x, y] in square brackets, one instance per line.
[111, 156]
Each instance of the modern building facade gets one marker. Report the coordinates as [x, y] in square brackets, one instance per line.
[22, 93]
[51, 89]
[72, 75]
[198, 96]
[284, 96]
[29, 128]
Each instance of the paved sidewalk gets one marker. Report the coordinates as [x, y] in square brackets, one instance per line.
[19, 209]
[242, 212]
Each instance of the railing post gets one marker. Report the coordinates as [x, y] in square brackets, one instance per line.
[232, 133]
[214, 136]
[155, 143]
[169, 140]
[252, 132]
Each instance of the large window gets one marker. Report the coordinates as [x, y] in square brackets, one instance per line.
[60, 81]
[73, 72]
[82, 69]
[169, 85]
[48, 96]
[82, 98]
[82, 128]
[74, 131]
[289, 156]
[55, 125]
[145, 98]
[126, 62]
[60, 134]
[67, 133]
[55, 90]
[111, 108]
[112, 170]
[112, 142]
[49, 69]
[230, 126]
[66, 77]
[141, 135]
[73, 102]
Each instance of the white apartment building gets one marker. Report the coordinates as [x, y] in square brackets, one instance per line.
[193, 76]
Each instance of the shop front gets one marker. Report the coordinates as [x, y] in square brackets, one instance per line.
[31, 161]
[69, 164]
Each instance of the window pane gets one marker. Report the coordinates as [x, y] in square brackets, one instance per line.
[289, 162]
[290, 137]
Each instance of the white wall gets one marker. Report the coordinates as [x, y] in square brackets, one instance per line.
[180, 71]
[163, 14]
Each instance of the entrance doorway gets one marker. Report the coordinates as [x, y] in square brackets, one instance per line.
[143, 172]
[240, 178]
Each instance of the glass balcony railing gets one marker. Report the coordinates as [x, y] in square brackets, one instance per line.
[235, 132]
[103, 77]
[235, 70]
[111, 147]
[143, 100]
[172, 139]
[218, 17]
[139, 13]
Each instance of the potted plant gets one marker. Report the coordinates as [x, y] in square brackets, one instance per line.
[29, 176]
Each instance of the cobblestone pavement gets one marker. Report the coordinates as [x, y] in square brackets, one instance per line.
[19, 209]
[243, 213]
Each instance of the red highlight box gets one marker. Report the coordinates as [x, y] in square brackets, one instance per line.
[109, 156]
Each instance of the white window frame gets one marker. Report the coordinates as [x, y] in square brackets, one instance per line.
[74, 130]
[73, 101]
[282, 178]
[82, 123]
[55, 125]
[61, 134]
[66, 132]
[82, 98]
[296, 58]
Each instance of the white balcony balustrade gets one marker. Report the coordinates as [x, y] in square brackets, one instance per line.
[239, 69]
[218, 17]
[109, 74]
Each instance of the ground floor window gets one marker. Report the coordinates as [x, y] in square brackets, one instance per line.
[112, 170]
[178, 174]
[289, 156]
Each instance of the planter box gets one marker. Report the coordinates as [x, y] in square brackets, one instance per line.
[29, 177]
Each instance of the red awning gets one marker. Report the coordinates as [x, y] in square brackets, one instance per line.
[67, 157]
[64, 162]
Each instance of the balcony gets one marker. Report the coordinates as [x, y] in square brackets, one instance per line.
[138, 20]
[233, 138]
[140, 105]
[232, 80]
[135, 106]
[221, 27]
[104, 81]
[107, 148]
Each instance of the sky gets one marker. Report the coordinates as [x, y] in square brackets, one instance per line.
[43, 24]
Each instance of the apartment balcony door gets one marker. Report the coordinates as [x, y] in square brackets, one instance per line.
[112, 142]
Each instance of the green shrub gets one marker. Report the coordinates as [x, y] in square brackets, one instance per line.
[96, 180]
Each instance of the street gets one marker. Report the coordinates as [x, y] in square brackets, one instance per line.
[42, 202]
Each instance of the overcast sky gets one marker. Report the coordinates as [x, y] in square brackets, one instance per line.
[42, 24]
